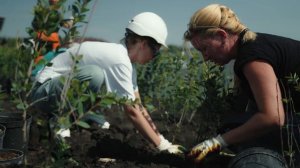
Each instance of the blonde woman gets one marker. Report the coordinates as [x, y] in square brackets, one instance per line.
[262, 64]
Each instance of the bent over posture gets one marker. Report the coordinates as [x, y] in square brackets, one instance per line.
[112, 64]
[263, 63]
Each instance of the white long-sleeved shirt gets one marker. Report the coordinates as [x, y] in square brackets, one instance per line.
[120, 74]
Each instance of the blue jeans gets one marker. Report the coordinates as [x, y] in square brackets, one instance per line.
[258, 157]
[276, 139]
[47, 94]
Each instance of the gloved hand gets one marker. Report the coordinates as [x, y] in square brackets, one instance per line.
[63, 133]
[165, 145]
[199, 151]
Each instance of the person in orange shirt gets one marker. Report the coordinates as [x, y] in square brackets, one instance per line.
[48, 39]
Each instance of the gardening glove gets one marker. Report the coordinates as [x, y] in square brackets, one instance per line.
[105, 125]
[165, 145]
[199, 151]
[63, 133]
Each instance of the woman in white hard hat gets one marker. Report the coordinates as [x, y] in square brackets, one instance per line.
[111, 63]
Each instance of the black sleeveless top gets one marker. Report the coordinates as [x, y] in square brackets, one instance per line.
[283, 54]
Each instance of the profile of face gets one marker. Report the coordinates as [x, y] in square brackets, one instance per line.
[145, 50]
[213, 48]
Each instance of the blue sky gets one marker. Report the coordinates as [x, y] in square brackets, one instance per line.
[110, 17]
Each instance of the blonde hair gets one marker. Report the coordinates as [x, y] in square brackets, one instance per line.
[208, 20]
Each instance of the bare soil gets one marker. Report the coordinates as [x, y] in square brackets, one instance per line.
[8, 155]
[122, 146]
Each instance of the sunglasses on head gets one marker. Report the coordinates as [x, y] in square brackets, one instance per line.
[192, 30]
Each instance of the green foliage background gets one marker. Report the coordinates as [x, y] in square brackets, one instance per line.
[180, 86]
[175, 83]
[184, 88]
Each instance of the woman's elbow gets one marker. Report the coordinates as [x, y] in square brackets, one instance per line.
[277, 121]
[281, 122]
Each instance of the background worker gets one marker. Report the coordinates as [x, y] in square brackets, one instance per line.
[262, 64]
[112, 64]
[47, 41]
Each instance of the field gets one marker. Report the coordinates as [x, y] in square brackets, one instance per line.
[123, 146]
[173, 102]
[189, 100]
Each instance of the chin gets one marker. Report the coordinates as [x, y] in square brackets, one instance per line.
[141, 62]
[145, 62]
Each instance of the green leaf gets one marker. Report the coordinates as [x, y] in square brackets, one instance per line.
[64, 122]
[92, 97]
[107, 101]
[97, 117]
[83, 124]
[84, 10]
[75, 9]
[80, 108]
[21, 106]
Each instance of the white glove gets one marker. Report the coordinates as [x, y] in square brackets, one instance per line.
[64, 132]
[105, 125]
[199, 151]
[165, 145]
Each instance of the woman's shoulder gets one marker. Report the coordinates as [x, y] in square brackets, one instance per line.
[275, 38]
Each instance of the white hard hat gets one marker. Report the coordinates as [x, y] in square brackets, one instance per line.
[151, 25]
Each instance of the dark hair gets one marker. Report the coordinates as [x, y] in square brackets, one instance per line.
[131, 38]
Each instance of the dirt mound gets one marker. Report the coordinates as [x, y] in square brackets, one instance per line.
[122, 146]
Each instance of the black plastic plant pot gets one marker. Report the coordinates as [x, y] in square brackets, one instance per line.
[2, 134]
[14, 133]
[11, 157]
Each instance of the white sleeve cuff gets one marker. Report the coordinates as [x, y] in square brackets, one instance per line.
[164, 144]
[222, 141]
